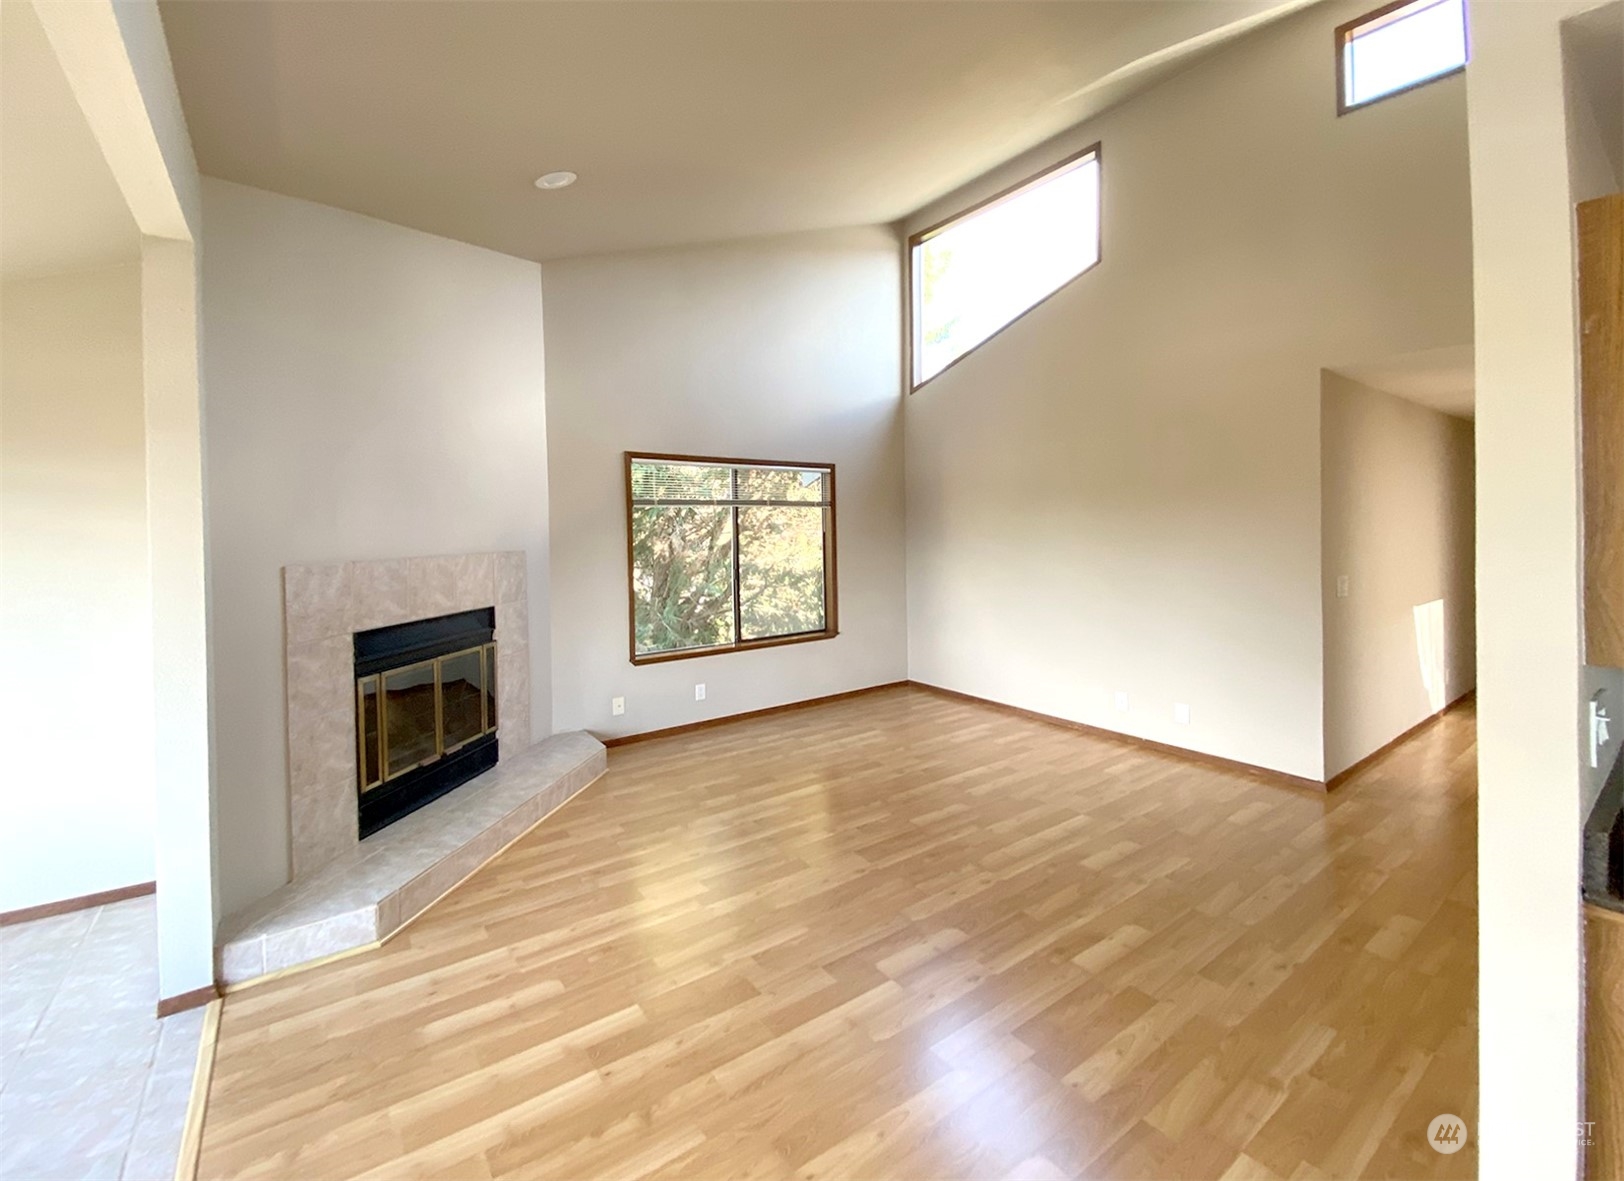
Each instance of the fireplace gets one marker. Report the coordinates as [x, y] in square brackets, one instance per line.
[425, 711]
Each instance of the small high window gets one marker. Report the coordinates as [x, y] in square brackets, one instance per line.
[1397, 48]
[728, 554]
[973, 274]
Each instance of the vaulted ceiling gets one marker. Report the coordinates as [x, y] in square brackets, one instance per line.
[687, 120]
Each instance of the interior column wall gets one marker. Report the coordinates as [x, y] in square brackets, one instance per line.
[116, 62]
[1529, 774]
[180, 619]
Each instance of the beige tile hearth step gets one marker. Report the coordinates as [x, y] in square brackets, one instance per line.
[393, 876]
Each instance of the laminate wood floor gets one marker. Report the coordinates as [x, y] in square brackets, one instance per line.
[902, 936]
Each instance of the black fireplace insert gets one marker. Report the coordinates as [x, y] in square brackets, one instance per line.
[425, 711]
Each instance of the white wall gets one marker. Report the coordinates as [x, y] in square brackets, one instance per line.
[783, 348]
[1529, 946]
[1396, 513]
[74, 624]
[371, 392]
[1121, 491]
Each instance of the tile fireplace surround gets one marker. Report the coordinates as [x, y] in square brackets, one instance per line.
[323, 608]
[346, 894]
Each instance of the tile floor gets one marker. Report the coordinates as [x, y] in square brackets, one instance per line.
[92, 1086]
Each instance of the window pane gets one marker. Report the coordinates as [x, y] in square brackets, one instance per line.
[762, 483]
[653, 480]
[682, 577]
[1403, 47]
[462, 697]
[781, 579]
[410, 733]
[981, 272]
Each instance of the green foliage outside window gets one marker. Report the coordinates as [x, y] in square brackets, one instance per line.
[723, 554]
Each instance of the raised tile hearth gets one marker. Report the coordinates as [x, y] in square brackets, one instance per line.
[370, 891]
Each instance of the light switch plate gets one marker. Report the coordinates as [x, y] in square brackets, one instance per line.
[1122, 701]
[617, 706]
[1181, 713]
[699, 692]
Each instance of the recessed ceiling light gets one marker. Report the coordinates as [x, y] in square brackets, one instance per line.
[555, 180]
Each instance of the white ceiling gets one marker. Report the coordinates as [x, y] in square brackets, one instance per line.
[687, 121]
[1440, 378]
[60, 209]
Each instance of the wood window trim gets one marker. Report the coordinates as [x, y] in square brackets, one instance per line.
[831, 579]
[1344, 34]
[985, 203]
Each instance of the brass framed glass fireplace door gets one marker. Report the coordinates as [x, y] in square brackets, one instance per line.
[425, 712]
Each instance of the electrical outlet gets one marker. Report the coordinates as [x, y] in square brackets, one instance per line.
[1122, 701]
[617, 706]
[1341, 586]
[699, 692]
[1181, 713]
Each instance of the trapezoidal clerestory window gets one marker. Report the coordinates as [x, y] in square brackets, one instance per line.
[973, 274]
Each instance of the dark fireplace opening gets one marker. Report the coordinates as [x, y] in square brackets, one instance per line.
[425, 711]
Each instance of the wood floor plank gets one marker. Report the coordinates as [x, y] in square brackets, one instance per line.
[902, 936]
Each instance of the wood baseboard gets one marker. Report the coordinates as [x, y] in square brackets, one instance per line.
[690, 727]
[188, 1000]
[84, 902]
[1233, 766]
[1348, 773]
[191, 1135]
